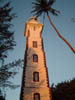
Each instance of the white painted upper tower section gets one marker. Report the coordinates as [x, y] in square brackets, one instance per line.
[33, 26]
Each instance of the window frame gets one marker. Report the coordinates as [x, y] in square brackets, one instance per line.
[35, 58]
[38, 94]
[34, 76]
[35, 44]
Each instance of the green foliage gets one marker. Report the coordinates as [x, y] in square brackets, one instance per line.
[6, 35]
[6, 72]
[2, 98]
[64, 90]
[9, 71]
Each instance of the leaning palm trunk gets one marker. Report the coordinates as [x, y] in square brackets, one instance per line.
[60, 36]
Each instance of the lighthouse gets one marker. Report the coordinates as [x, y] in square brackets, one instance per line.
[35, 81]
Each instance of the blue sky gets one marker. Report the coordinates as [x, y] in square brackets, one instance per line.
[60, 59]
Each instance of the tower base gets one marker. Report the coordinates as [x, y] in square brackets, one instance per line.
[45, 93]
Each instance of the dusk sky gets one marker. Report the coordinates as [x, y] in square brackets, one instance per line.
[60, 59]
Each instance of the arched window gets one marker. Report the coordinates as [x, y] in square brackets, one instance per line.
[35, 58]
[36, 96]
[36, 76]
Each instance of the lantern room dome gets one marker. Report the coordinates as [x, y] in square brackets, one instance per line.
[34, 19]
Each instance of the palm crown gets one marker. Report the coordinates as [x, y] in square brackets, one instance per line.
[43, 6]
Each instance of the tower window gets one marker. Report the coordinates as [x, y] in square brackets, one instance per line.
[34, 28]
[36, 96]
[36, 76]
[35, 58]
[35, 44]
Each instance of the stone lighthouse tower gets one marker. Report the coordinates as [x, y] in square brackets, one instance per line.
[35, 83]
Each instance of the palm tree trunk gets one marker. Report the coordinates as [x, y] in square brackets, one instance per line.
[60, 36]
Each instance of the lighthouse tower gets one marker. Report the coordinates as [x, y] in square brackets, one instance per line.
[35, 82]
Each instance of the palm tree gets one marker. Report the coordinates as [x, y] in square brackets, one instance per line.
[44, 6]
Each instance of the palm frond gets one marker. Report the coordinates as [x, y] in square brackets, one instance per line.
[51, 2]
[54, 11]
[36, 3]
[41, 6]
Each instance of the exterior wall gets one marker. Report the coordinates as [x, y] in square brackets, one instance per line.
[33, 32]
[44, 93]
